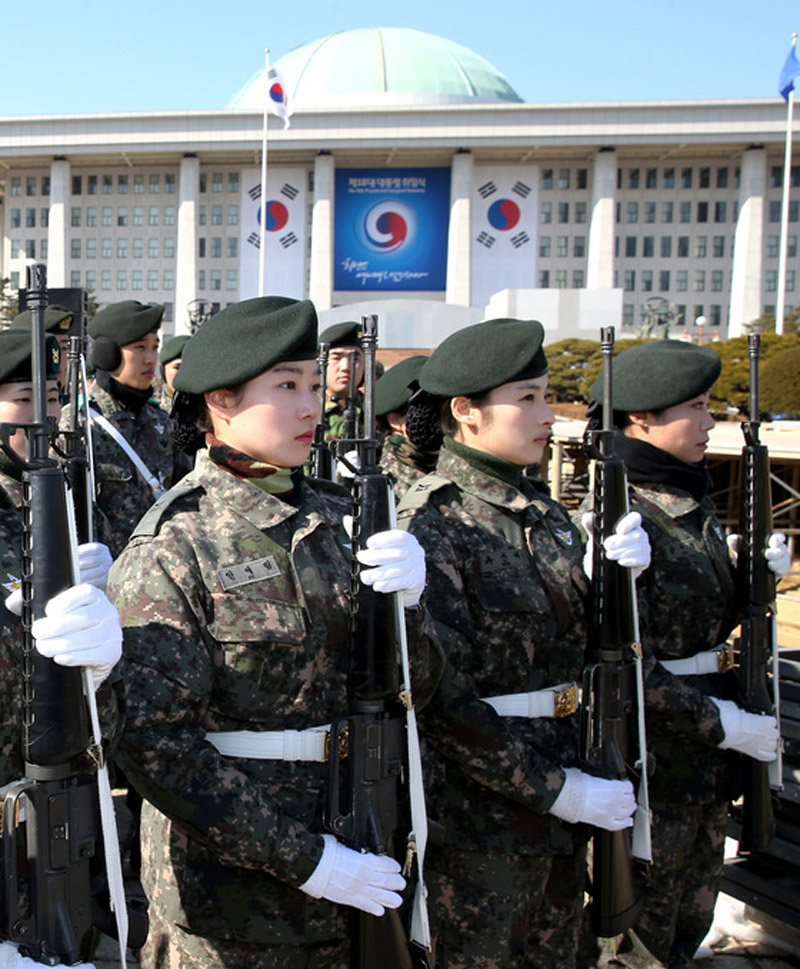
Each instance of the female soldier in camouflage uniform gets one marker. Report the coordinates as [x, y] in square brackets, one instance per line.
[661, 393]
[506, 588]
[234, 598]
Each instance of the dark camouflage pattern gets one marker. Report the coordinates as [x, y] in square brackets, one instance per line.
[334, 415]
[686, 605]
[121, 494]
[403, 463]
[11, 767]
[506, 589]
[235, 610]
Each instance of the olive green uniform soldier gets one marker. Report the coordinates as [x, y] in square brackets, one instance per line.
[131, 433]
[687, 608]
[170, 359]
[58, 322]
[343, 339]
[401, 460]
[506, 589]
[234, 598]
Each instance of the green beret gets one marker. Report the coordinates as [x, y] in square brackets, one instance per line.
[246, 339]
[342, 335]
[57, 319]
[392, 391]
[658, 374]
[484, 356]
[173, 348]
[15, 356]
[126, 322]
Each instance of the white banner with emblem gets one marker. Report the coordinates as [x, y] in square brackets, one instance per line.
[504, 213]
[285, 233]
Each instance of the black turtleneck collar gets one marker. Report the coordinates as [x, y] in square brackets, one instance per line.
[647, 464]
[487, 463]
[128, 396]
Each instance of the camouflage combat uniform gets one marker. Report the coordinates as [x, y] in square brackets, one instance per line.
[686, 606]
[403, 463]
[121, 493]
[334, 415]
[11, 767]
[235, 610]
[506, 589]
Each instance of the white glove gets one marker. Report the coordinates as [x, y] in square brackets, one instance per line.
[94, 560]
[749, 733]
[777, 554]
[343, 470]
[595, 800]
[365, 881]
[629, 545]
[10, 957]
[80, 628]
[399, 564]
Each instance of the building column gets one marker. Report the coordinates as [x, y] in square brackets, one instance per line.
[57, 223]
[320, 284]
[186, 248]
[600, 259]
[459, 234]
[748, 242]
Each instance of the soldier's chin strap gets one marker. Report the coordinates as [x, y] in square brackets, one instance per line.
[418, 837]
[108, 823]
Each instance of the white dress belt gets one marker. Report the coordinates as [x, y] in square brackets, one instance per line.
[720, 659]
[554, 701]
[307, 745]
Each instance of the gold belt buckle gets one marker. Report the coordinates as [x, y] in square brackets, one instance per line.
[565, 701]
[343, 744]
[725, 659]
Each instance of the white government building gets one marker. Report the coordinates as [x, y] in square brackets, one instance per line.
[413, 182]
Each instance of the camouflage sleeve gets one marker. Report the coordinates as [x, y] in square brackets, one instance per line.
[169, 670]
[467, 732]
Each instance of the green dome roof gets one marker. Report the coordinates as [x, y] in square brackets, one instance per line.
[380, 66]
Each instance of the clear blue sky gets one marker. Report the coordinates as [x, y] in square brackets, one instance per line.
[95, 56]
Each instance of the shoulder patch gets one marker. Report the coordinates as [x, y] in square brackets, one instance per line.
[152, 518]
[419, 492]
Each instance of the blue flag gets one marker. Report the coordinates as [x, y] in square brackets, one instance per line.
[790, 71]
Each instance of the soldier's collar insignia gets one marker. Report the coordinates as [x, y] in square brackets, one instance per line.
[233, 576]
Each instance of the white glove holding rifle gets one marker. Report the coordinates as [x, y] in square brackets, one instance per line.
[594, 800]
[753, 734]
[94, 562]
[776, 553]
[396, 560]
[629, 544]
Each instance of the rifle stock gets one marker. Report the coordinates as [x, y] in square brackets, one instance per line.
[756, 591]
[609, 695]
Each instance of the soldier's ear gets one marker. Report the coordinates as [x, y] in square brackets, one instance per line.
[639, 419]
[219, 403]
[464, 412]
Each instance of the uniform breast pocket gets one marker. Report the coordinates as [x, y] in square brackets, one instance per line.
[262, 646]
[508, 593]
[113, 474]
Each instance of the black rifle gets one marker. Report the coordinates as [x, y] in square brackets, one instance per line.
[366, 796]
[76, 448]
[321, 462]
[755, 583]
[54, 898]
[611, 690]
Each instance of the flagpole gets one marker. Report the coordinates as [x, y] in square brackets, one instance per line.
[787, 182]
[262, 229]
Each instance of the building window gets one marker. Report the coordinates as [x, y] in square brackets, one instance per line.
[233, 181]
[77, 185]
[232, 251]
[582, 178]
[663, 281]
[702, 211]
[681, 280]
[75, 278]
[790, 280]
[108, 186]
[776, 176]
[91, 248]
[16, 218]
[547, 178]
[649, 211]
[791, 246]
[138, 215]
[217, 182]
[720, 211]
[153, 248]
[201, 215]
[152, 279]
[794, 207]
[106, 248]
[632, 212]
[15, 248]
[579, 247]
[91, 215]
[544, 279]
[716, 314]
[203, 183]
[686, 178]
[105, 279]
[30, 185]
[561, 279]
[153, 215]
[649, 246]
[169, 279]
[718, 247]
[75, 218]
[704, 178]
[43, 249]
[122, 185]
[30, 218]
[122, 248]
[651, 178]
[666, 247]
[137, 249]
[75, 248]
[169, 215]
[627, 314]
[201, 279]
[216, 247]
[686, 212]
[546, 213]
[629, 283]
[91, 279]
[630, 247]
[15, 280]
[231, 279]
[580, 212]
[774, 211]
[563, 179]
[168, 311]
[16, 185]
[216, 279]
[122, 279]
[154, 185]
[45, 185]
[107, 217]
[169, 248]
[233, 215]
[201, 247]
[577, 279]
[91, 184]
[169, 186]
[544, 246]
[699, 280]
[716, 280]
[137, 279]
[122, 215]
[701, 247]
[562, 246]
[647, 280]
[138, 189]
[633, 178]
[722, 178]
[216, 215]
[771, 281]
